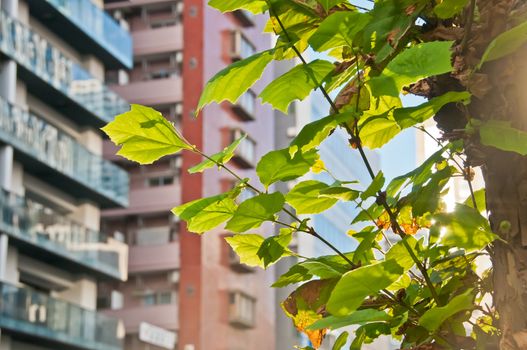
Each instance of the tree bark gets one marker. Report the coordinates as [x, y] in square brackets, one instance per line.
[499, 92]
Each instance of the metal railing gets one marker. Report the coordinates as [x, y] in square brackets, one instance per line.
[33, 222]
[40, 57]
[99, 25]
[28, 312]
[41, 140]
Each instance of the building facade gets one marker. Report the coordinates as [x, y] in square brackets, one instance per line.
[192, 288]
[54, 180]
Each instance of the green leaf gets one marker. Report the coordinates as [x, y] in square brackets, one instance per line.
[144, 135]
[305, 197]
[246, 246]
[356, 285]
[374, 187]
[206, 213]
[306, 305]
[464, 228]
[254, 211]
[230, 83]
[501, 135]
[481, 202]
[340, 192]
[338, 29]
[314, 133]
[505, 43]
[324, 267]
[357, 317]
[254, 6]
[388, 26]
[341, 341]
[407, 117]
[400, 253]
[377, 131]
[295, 84]
[329, 4]
[280, 166]
[413, 64]
[296, 274]
[218, 158]
[275, 247]
[433, 318]
[449, 8]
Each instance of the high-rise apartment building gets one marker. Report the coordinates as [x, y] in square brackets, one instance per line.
[54, 181]
[187, 291]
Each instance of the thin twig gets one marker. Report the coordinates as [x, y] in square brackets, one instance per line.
[383, 201]
[468, 26]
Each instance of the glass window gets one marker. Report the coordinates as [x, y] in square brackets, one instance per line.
[152, 235]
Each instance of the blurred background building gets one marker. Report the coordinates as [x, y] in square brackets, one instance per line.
[189, 290]
[54, 181]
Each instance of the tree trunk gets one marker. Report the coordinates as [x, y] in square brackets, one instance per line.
[499, 93]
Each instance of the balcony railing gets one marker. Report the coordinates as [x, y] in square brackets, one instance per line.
[37, 315]
[33, 223]
[49, 64]
[35, 138]
[241, 47]
[246, 106]
[245, 154]
[98, 25]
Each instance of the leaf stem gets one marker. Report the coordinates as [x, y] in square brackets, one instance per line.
[366, 162]
[383, 201]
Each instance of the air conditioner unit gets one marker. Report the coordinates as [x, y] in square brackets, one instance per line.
[173, 277]
[178, 56]
[176, 162]
[179, 7]
[242, 310]
[116, 300]
[178, 109]
[119, 236]
[236, 44]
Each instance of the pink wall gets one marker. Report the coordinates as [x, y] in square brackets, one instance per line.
[218, 279]
[158, 40]
[152, 92]
[154, 258]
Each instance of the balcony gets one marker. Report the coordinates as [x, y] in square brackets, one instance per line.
[53, 77]
[41, 232]
[164, 316]
[242, 312]
[154, 258]
[149, 200]
[245, 107]
[240, 47]
[88, 28]
[244, 17]
[236, 265]
[152, 92]
[57, 158]
[245, 154]
[41, 319]
[156, 40]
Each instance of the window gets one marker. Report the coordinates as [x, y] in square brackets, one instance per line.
[159, 66]
[160, 181]
[162, 15]
[245, 154]
[241, 310]
[151, 298]
[246, 106]
[153, 236]
[240, 46]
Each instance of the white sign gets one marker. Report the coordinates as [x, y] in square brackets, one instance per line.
[157, 336]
